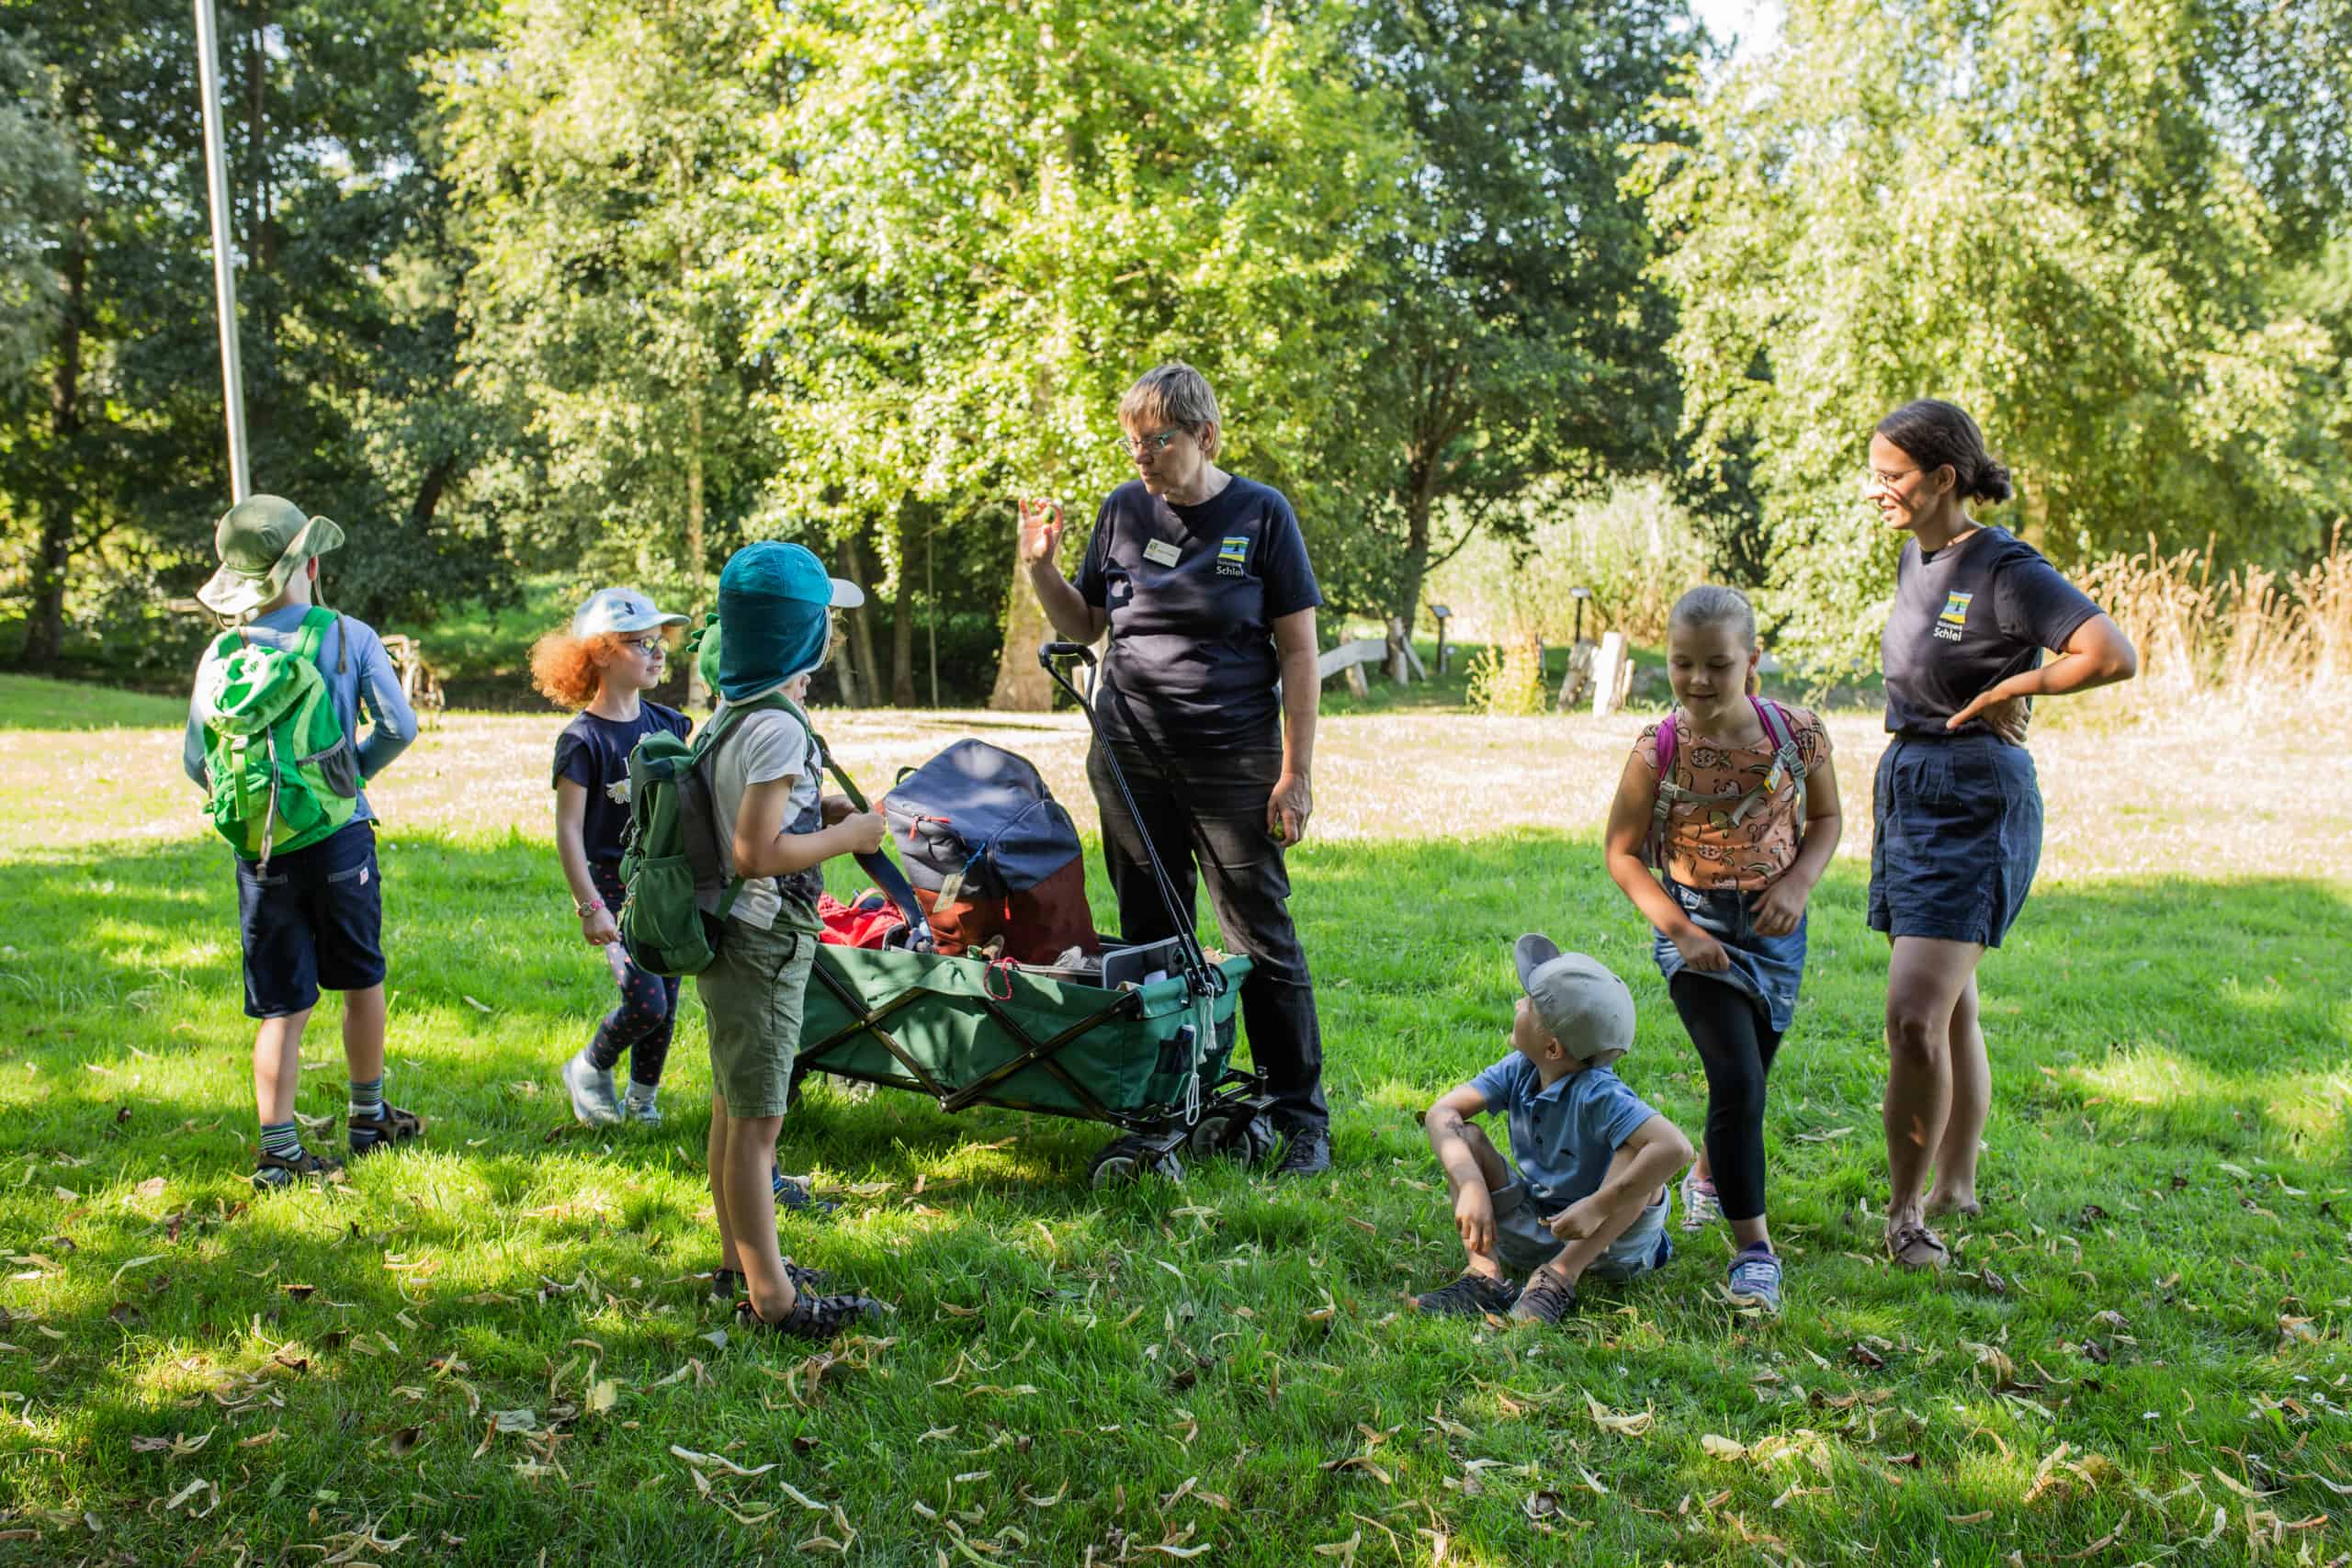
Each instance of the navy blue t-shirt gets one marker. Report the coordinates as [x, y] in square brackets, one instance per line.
[1966, 618]
[593, 752]
[1193, 593]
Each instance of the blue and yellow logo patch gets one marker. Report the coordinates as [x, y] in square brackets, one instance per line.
[1233, 556]
[1955, 609]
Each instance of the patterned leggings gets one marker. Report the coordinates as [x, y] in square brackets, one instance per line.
[640, 1026]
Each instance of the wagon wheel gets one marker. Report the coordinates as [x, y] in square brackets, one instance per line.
[1240, 1134]
[1125, 1161]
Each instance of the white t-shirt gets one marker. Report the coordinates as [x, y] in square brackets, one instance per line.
[768, 745]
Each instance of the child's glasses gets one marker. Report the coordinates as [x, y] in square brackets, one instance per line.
[652, 647]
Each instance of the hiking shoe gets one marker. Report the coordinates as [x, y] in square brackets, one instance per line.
[1308, 1153]
[273, 1171]
[811, 1317]
[1755, 1279]
[725, 1284]
[794, 1197]
[1473, 1295]
[1700, 1208]
[1546, 1299]
[593, 1101]
[391, 1125]
[644, 1112]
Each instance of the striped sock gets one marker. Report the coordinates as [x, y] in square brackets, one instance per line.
[368, 1098]
[283, 1139]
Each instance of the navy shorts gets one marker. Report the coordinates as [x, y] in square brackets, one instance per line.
[313, 922]
[1957, 838]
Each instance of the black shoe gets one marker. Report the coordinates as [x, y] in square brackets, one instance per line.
[727, 1283]
[389, 1125]
[1308, 1153]
[1545, 1300]
[812, 1317]
[794, 1197]
[1473, 1295]
[272, 1172]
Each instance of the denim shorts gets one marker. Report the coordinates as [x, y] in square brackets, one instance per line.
[1524, 1244]
[313, 922]
[1768, 968]
[1957, 837]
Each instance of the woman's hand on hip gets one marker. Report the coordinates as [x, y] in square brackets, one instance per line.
[1289, 807]
[1041, 531]
[2005, 716]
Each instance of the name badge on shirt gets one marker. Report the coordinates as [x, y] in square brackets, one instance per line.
[1160, 553]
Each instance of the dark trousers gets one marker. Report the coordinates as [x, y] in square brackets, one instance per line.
[1736, 1044]
[640, 1027]
[1205, 813]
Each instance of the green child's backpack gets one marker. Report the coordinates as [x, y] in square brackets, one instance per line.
[282, 770]
[672, 849]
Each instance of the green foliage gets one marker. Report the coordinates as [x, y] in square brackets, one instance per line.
[2058, 213]
[1636, 550]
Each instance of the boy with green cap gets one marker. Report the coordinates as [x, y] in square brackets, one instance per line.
[310, 917]
[765, 771]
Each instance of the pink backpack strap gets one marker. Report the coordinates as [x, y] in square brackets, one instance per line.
[1654, 847]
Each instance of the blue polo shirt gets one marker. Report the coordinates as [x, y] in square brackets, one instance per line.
[1563, 1137]
[1191, 593]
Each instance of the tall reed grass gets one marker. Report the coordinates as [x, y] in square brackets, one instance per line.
[2239, 632]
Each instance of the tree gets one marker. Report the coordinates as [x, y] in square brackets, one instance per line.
[1517, 336]
[985, 220]
[2078, 222]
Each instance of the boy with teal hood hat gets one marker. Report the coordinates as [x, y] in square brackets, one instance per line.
[763, 771]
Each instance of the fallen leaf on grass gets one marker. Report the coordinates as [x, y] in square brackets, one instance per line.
[1722, 1448]
[1362, 1462]
[604, 1396]
[1827, 1136]
[1862, 1355]
[478, 1007]
[717, 1461]
[406, 1440]
[1608, 1420]
[1345, 1550]
[135, 1263]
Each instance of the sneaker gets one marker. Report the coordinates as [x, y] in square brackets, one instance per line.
[812, 1317]
[1473, 1295]
[1308, 1153]
[794, 1197]
[1546, 1299]
[725, 1284]
[273, 1171]
[389, 1125]
[1756, 1280]
[644, 1112]
[591, 1092]
[1700, 1208]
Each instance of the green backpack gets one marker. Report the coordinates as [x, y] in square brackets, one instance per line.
[283, 774]
[672, 849]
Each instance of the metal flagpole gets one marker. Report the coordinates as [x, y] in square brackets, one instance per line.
[224, 274]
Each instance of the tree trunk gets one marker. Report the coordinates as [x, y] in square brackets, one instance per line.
[698, 694]
[1414, 569]
[902, 614]
[860, 624]
[854, 645]
[53, 550]
[1022, 684]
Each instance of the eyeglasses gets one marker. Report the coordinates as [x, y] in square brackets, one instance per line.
[1137, 445]
[1874, 482]
[652, 647]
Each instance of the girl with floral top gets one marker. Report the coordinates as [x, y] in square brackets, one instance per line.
[1740, 824]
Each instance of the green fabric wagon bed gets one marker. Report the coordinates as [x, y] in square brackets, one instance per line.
[968, 1033]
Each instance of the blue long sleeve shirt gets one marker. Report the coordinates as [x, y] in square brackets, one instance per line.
[366, 679]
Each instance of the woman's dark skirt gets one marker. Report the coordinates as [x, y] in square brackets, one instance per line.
[1957, 838]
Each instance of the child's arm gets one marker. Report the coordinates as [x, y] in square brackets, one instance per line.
[1782, 904]
[1630, 814]
[1657, 1149]
[393, 723]
[1474, 1207]
[762, 847]
[596, 926]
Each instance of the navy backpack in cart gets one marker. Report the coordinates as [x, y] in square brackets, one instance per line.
[992, 853]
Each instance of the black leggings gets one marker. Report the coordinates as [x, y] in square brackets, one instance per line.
[640, 1027]
[1736, 1045]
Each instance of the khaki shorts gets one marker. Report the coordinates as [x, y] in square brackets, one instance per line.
[752, 998]
[1523, 1243]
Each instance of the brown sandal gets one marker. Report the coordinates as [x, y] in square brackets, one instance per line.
[1917, 1247]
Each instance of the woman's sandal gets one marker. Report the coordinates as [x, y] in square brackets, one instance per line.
[1917, 1247]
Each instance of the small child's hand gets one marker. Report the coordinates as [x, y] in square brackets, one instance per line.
[1474, 1216]
[1701, 952]
[835, 807]
[1778, 908]
[1578, 1221]
[866, 830]
[597, 930]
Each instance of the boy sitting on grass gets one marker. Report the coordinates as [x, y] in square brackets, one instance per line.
[1589, 1190]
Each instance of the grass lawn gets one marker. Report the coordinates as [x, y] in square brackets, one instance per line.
[494, 1348]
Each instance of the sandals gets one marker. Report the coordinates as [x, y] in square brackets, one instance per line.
[725, 1284]
[812, 1317]
[389, 1125]
[309, 1165]
[1913, 1245]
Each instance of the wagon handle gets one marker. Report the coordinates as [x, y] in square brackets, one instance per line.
[1204, 979]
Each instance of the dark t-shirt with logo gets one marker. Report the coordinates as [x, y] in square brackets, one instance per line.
[593, 752]
[1193, 593]
[1967, 617]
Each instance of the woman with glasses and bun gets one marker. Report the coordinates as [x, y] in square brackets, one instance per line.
[1956, 809]
[1201, 579]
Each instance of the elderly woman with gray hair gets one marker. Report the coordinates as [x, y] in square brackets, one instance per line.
[1201, 579]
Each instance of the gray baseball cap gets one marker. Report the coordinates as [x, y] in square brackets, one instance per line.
[1579, 999]
[619, 610]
